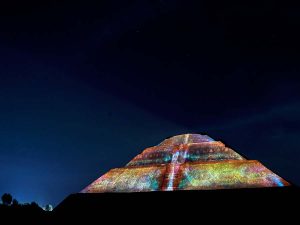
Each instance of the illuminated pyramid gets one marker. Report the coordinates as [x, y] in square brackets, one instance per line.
[186, 162]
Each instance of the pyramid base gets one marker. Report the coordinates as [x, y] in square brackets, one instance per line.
[215, 204]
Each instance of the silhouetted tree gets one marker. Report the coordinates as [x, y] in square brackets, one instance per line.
[34, 205]
[15, 202]
[6, 199]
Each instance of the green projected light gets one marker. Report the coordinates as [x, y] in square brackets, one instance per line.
[186, 162]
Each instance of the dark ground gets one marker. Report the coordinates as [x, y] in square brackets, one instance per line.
[234, 206]
[216, 205]
[24, 214]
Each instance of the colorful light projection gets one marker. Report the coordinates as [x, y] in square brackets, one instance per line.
[186, 162]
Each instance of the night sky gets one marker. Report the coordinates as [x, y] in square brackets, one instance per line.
[84, 87]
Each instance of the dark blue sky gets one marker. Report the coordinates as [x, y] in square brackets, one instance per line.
[84, 87]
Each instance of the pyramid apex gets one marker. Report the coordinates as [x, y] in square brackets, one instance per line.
[188, 138]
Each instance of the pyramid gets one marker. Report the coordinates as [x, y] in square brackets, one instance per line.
[186, 162]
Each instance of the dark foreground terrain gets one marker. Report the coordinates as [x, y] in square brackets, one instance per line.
[24, 214]
[236, 206]
[228, 205]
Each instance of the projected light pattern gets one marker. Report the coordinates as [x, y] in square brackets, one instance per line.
[174, 170]
[230, 174]
[190, 152]
[129, 180]
[187, 162]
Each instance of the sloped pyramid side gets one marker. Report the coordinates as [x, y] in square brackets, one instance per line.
[186, 162]
[189, 152]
